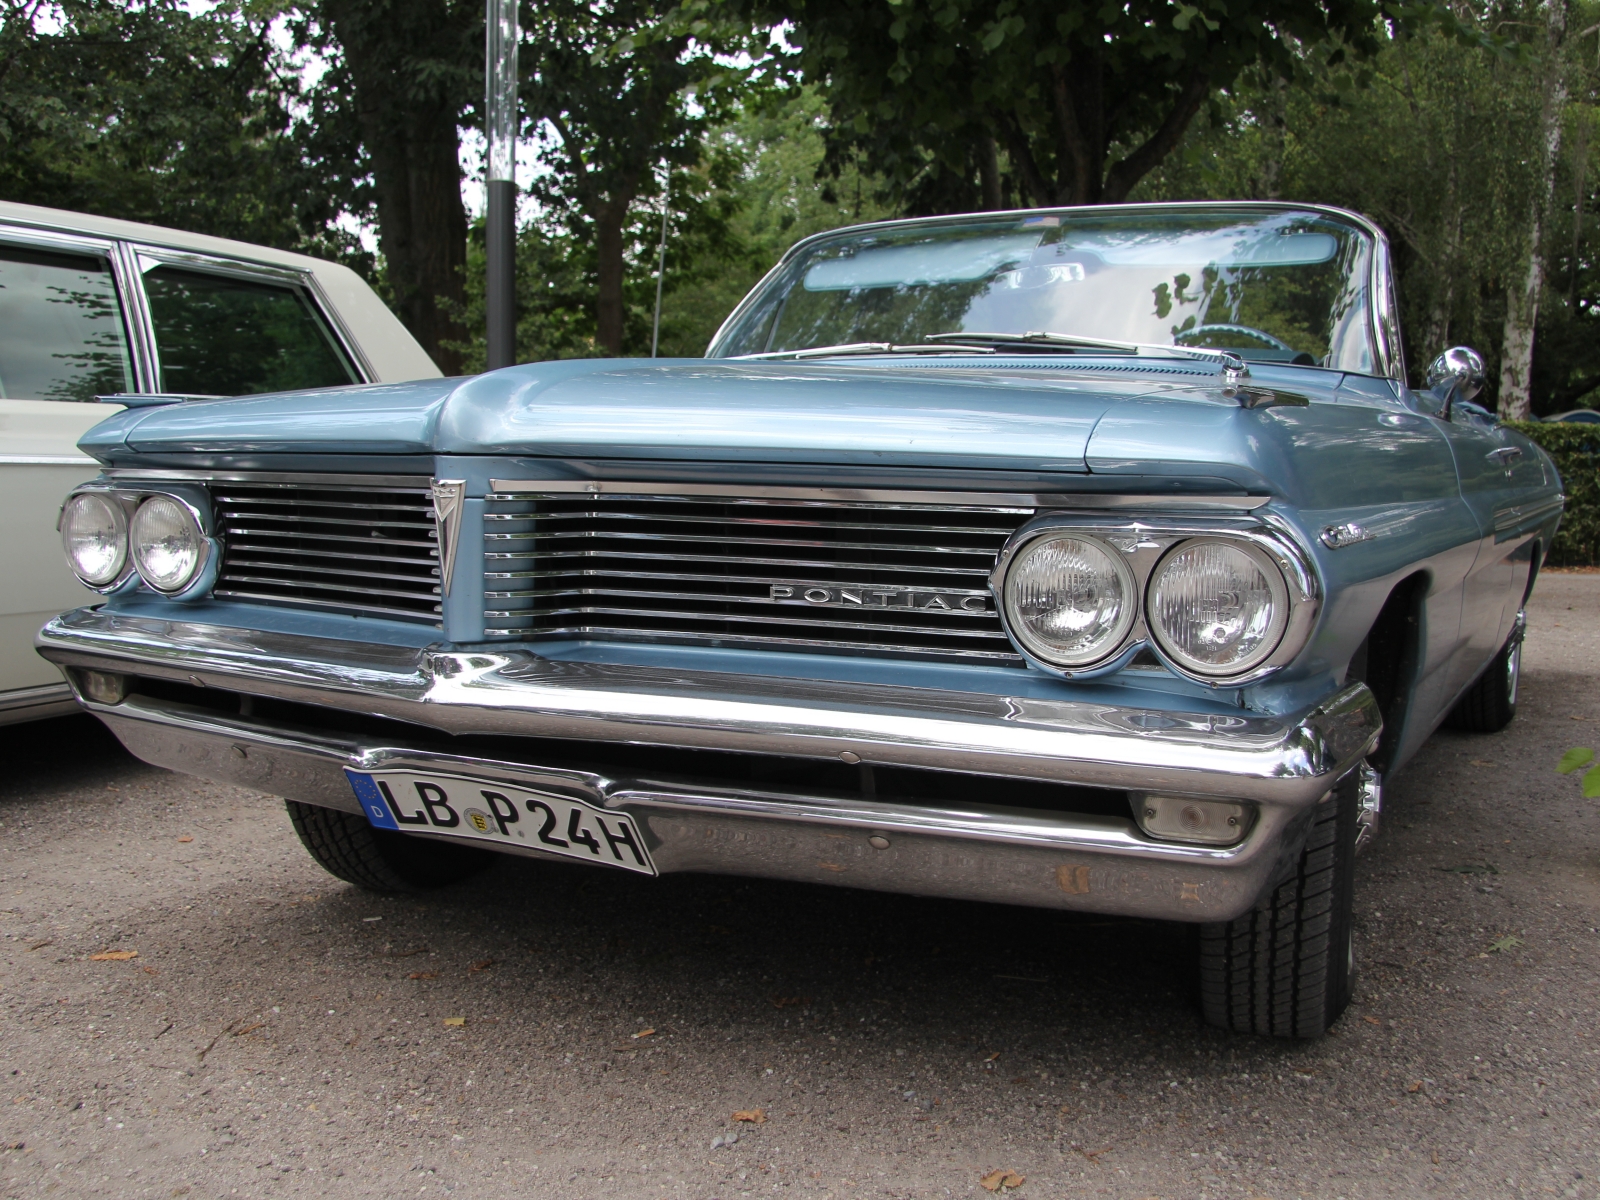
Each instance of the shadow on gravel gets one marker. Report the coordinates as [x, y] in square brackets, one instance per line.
[64, 752]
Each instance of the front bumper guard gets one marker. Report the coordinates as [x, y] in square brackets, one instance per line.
[1061, 860]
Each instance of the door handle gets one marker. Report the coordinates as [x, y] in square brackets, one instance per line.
[1504, 456]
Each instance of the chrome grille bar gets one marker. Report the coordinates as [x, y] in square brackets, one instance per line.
[819, 575]
[333, 546]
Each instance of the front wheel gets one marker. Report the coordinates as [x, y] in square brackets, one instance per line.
[1491, 702]
[1287, 967]
[381, 860]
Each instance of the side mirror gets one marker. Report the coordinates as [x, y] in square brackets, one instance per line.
[1457, 374]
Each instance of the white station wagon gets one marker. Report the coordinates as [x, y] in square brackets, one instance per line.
[91, 308]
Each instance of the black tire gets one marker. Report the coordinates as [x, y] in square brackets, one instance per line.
[1491, 701]
[380, 860]
[1287, 967]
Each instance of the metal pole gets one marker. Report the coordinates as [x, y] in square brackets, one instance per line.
[501, 35]
[661, 274]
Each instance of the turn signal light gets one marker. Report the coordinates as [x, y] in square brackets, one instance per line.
[1182, 819]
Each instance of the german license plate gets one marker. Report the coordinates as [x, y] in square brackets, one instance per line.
[500, 814]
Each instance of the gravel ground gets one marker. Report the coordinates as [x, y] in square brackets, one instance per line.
[280, 1033]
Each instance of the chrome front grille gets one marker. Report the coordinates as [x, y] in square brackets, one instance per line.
[818, 575]
[362, 549]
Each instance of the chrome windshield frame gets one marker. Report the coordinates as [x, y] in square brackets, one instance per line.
[1383, 327]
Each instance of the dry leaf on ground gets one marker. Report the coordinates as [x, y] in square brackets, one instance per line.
[481, 966]
[993, 1056]
[643, 1033]
[249, 1029]
[423, 975]
[996, 1181]
[1501, 944]
[1415, 1087]
[754, 1116]
[114, 956]
[1372, 1020]
[186, 838]
[455, 1021]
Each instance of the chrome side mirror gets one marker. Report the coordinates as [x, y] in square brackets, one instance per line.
[1457, 374]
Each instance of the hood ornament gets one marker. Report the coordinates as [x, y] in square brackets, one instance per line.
[448, 496]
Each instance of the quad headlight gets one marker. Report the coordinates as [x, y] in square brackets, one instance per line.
[1226, 606]
[1217, 608]
[1070, 600]
[167, 543]
[94, 534]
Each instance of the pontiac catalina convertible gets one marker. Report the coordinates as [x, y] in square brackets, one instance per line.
[1095, 559]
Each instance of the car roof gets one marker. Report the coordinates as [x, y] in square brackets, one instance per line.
[1579, 416]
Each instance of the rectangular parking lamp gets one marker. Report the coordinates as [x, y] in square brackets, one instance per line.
[501, 34]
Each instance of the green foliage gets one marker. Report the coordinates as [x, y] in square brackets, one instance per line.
[1575, 760]
[157, 111]
[1576, 451]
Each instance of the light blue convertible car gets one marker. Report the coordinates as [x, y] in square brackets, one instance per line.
[1096, 559]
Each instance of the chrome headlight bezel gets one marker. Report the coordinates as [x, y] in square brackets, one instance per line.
[1143, 540]
[203, 547]
[128, 498]
[1278, 624]
[1017, 628]
[119, 518]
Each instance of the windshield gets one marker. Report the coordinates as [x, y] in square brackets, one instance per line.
[1271, 286]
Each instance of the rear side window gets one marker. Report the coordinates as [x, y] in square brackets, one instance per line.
[61, 333]
[218, 336]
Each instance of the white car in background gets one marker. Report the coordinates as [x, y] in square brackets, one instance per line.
[92, 307]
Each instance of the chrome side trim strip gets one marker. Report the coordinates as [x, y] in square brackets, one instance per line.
[36, 703]
[1287, 760]
[49, 460]
[511, 489]
[420, 483]
[1015, 856]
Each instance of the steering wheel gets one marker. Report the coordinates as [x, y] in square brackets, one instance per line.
[1248, 331]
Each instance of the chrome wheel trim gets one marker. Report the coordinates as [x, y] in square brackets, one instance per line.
[1513, 672]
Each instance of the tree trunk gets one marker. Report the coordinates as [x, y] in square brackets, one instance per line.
[989, 173]
[413, 142]
[609, 219]
[1522, 302]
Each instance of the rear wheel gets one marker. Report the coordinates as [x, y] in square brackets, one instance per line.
[1286, 968]
[1491, 702]
[380, 860]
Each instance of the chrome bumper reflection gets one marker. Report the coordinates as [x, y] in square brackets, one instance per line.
[1290, 760]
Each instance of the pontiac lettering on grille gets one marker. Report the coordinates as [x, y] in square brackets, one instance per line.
[922, 599]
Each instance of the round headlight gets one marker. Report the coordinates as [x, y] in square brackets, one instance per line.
[1069, 600]
[168, 546]
[94, 534]
[1217, 608]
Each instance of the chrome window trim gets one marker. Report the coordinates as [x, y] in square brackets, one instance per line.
[147, 257]
[1143, 542]
[1383, 330]
[511, 488]
[130, 297]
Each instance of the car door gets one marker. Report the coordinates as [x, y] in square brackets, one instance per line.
[226, 328]
[65, 337]
[1503, 484]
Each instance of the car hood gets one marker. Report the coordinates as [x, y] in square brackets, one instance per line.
[1038, 415]
[1069, 415]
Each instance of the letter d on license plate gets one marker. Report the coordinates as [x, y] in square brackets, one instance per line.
[500, 814]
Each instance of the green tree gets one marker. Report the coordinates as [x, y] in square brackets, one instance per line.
[384, 127]
[153, 112]
[615, 111]
[979, 103]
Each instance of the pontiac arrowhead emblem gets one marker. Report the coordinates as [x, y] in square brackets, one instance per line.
[447, 497]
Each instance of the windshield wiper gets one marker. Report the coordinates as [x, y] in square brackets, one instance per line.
[1226, 358]
[870, 348]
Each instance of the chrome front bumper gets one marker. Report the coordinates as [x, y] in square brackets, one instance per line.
[1104, 864]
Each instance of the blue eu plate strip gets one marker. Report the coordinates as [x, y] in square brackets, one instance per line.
[371, 799]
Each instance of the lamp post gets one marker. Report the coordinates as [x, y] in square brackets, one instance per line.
[501, 35]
